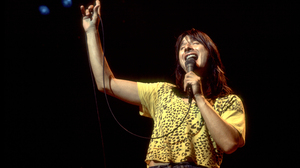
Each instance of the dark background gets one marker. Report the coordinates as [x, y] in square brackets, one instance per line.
[50, 113]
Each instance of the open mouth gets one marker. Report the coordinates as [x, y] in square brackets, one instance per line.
[191, 56]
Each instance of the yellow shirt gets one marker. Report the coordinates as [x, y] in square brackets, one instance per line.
[191, 141]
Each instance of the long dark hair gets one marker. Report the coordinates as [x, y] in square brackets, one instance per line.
[215, 80]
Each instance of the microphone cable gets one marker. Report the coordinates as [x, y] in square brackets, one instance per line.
[108, 105]
[96, 100]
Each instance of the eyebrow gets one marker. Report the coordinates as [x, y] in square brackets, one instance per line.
[191, 39]
[184, 43]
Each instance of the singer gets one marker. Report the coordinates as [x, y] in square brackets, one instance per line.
[215, 117]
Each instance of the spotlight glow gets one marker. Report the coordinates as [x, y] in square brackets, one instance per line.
[44, 10]
[67, 3]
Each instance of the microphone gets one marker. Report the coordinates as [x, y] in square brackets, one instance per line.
[190, 64]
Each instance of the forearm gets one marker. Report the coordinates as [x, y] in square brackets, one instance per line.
[225, 135]
[96, 59]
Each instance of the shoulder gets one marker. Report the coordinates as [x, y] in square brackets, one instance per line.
[166, 88]
[156, 85]
[168, 85]
[154, 89]
[228, 102]
[148, 86]
[229, 97]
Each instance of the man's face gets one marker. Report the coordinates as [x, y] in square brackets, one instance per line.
[190, 47]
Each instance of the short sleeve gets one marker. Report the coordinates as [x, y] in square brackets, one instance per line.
[148, 96]
[234, 114]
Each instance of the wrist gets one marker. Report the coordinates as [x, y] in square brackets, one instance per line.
[91, 32]
[200, 99]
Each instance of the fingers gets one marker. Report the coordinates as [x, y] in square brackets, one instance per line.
[91, 7]
[97, 10]
[186, 81]
[91, 10]
[191, 79]
[88, 11]
[97, 7]
[82, 10]
[97, 2]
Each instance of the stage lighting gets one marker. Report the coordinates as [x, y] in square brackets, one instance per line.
[44, 10]
[67, 3]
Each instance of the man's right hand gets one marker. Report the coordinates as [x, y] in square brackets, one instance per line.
[90, 17]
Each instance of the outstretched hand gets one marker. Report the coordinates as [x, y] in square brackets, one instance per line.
[90, 17]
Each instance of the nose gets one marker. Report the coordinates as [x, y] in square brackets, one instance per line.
[188, 48]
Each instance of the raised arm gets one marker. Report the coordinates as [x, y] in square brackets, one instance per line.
[121, 89]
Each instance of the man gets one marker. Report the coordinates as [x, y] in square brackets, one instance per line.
[194, 134]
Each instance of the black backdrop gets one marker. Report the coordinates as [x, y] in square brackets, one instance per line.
[50, 114]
